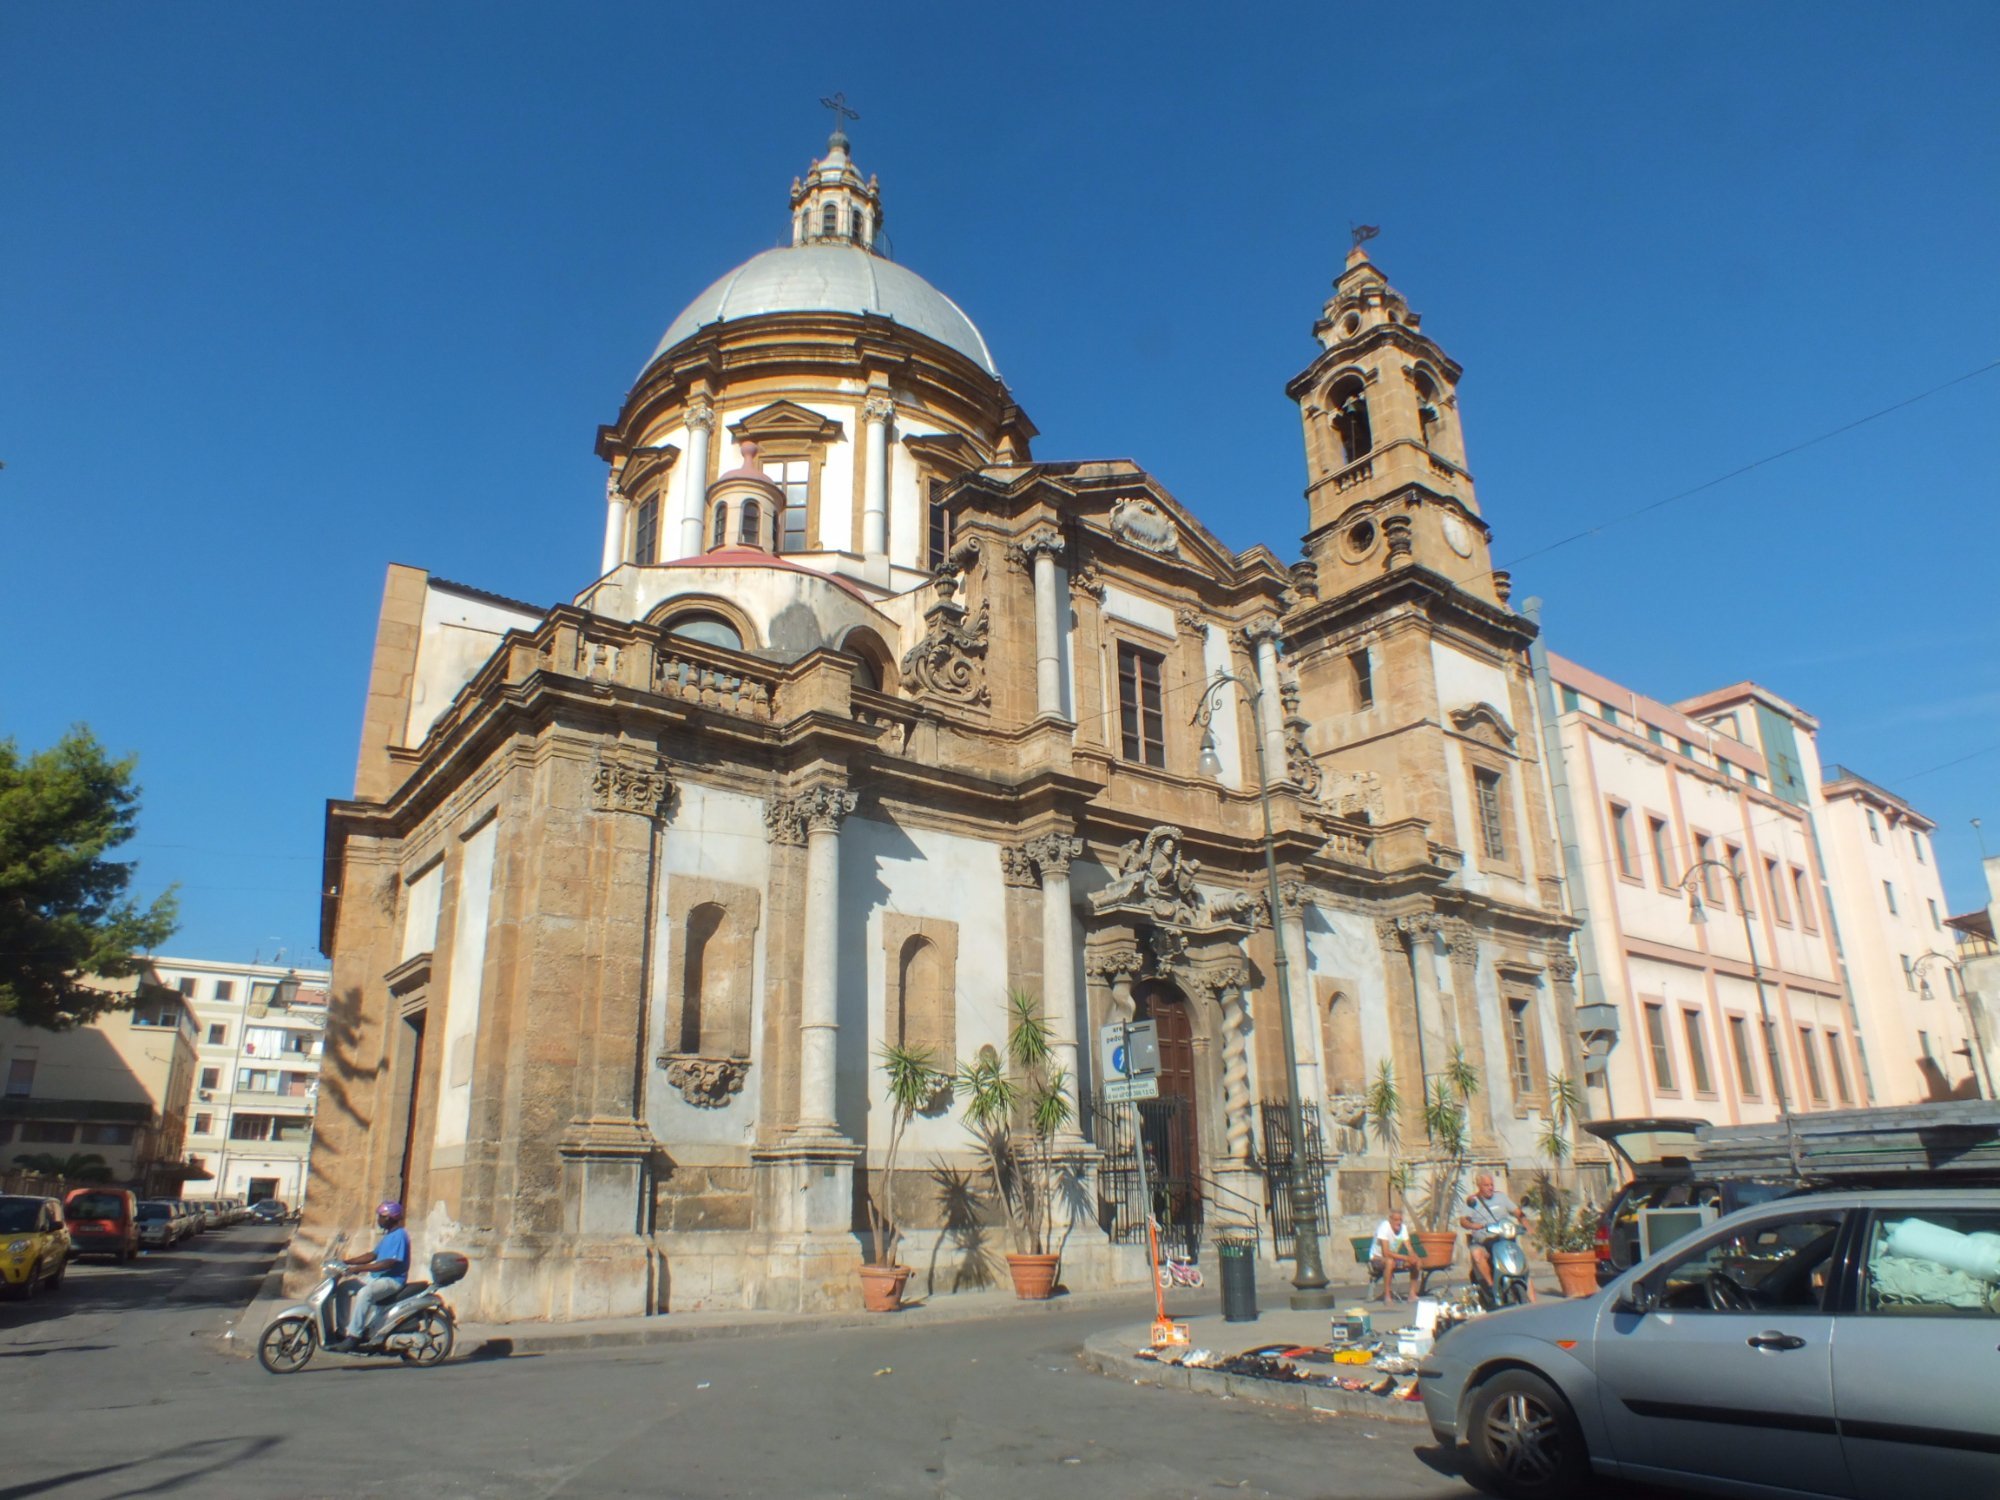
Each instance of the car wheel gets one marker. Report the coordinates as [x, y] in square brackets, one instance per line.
[287, 1345]
[1523, 1441]
[31, 1288]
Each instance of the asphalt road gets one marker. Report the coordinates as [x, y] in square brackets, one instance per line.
[115, 1386]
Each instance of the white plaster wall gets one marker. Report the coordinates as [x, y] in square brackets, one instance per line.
[420, 916]
[1461, 682]
[1343, 945]
[462, 995]
[778, 600]
[918, 872]
[1123, 604]
[837, 467]
[459, 634]
[1229, 747]
[715, 835]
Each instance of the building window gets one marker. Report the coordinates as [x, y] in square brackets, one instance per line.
[250, 1128]
[749, 523]
[1834, 1056]
[1874, 825]
[107, 1135]
[257, 1080]
[646, 533]
[1809, 1051]
[1350, 420]
[710, 630]
[1492, 822]
[1687, 748]
[1571, 701]
[1622, 843]
[1917, 843]
[938, 526]
[1741, 880]
[1704, 1081]
[1909, 973]
[211, 1078]
[1141, 727]
[48, 1132]
[218, 1035]
[186, 987]
[718, 533]
[1520, 1055]
[1364, 678]
[20, 1077]
[1704, 853]
[1774, 883]
[1802, 894]
[1607, 713]
[1931, 902]
[1653, 734]
[204, 1123]
[794, 477]
[1663, 851]
[1656, 1042]
[1739, 1048]
[829, 218]
[225, 989]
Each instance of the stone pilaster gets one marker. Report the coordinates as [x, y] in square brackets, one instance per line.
[817, 814]
[1051, 855]
[1462, 945]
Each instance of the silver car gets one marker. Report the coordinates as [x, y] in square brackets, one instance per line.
[1825, 1344]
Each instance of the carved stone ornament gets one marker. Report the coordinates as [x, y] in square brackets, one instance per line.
[816, 810]
[1305, 579]
[707, 1082]
[949, 663]
[1401, 538]
[1114, 963]
[1354, 794]
[1136, 519]
[1084, 579]
[1300, 768]
[1482, 721]
[1562, 967]
[1191, 621]
[964, 556]
[1463, 943]
[1155, 878]
[699, 415]
[1043, 539]
[878, 408]
[631, 786]
[1052, 853]
[1016, 868]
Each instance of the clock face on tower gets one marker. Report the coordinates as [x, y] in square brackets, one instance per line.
[1457, 535]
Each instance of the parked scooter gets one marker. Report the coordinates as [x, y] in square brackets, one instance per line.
[1510, 1269]
[417, 1328]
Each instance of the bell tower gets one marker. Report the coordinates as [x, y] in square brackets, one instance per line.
[1387, 484]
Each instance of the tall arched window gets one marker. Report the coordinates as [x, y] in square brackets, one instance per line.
[829, 219]
[1430, 411]
[718, 532]
[1349, 406]
[1340, 1036]
[748, 527]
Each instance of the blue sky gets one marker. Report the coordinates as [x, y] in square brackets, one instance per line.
[294, 292]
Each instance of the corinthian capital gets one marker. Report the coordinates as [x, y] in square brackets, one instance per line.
[1052, 853]
[700, 414]
[878, 408]
[1042, 539]
[825, 806]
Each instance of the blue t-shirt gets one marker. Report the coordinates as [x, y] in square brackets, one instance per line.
[395, 1247]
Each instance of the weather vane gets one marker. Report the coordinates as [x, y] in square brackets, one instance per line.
[838, 104]
[1361, 232]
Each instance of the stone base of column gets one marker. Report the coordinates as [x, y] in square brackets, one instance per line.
[809, 1254]
[606, 1266]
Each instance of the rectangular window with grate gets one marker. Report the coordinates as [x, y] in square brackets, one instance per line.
[1492, 826]
[1739, 1048]
[1520, 1054]
[1839, 1061]
[1622, 841]
[1142, 730]
[1809, 1052]
[937, 536]
[1658, 1045]
[1364, 678]
[1663, 851]
[1704, 1081]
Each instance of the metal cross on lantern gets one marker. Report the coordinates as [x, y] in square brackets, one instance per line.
[1361, 232]
[838, 104]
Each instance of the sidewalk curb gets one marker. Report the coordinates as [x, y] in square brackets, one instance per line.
[1110, 1354]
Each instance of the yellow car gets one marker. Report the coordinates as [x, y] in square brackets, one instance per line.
[34, 1244]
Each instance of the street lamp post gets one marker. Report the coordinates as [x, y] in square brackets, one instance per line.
[1309, 1287]
[1982, 1070]
[1691, 883]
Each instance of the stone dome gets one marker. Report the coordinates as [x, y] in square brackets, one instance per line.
[832, 277]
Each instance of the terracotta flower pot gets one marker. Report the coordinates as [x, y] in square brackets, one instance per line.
[1034, 1276]
[1438, 1247]
[882, 1287]
[1576, 1271]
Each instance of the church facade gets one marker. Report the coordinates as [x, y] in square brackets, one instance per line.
[872, 718]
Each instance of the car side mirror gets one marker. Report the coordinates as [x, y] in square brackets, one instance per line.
[1638, 1298]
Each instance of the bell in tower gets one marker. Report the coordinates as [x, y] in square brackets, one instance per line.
[1387, 484]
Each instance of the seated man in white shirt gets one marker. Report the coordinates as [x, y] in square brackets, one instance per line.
[1392, 1251]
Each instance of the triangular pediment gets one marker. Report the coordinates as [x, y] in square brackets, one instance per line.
[946, 451]
[785, 419]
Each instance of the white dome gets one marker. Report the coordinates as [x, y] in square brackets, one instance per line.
[832, 278]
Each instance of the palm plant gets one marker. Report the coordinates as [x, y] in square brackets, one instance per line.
[910, 1083]
[1563, 1222]
[1016, 1108]
[1447, 1115]
[1382, 1111]
[80, 1166]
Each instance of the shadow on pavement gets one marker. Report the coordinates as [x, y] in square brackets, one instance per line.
[202, 1458]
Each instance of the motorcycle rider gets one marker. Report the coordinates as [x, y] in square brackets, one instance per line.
[385, 1269]
[1485, 1211]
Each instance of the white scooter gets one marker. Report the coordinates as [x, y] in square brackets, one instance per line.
[418, 1327]
[1509, 1268]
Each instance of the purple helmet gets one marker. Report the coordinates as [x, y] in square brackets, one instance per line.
[390, 1210]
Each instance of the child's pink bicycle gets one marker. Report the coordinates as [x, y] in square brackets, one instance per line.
[1175, 1273]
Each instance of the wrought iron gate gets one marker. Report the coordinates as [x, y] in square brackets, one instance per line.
[1171, 1175]
[1277, 1138]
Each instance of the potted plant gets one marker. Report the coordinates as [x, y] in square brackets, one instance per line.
[910, 1083]
[1016, 1108]
[1565, 1225]
[1432, 1183]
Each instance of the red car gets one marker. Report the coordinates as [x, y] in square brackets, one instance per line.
[103, 1221]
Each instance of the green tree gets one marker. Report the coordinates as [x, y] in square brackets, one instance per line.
[64, 915]
[81, 1166]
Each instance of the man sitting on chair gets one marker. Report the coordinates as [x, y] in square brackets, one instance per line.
[1392, 1251]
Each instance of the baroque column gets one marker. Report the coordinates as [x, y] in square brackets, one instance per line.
[700, 421]
[875, 414]
[1261, 637]
[1042, 547]
[820, 811]
[1305, 1000]
[615, 508]
[1052, 854]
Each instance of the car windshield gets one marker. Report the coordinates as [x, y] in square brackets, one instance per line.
[19, 1215]
[95, 1206]
[154, 1211]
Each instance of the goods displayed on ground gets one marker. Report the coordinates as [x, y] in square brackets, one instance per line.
[1354, 1358]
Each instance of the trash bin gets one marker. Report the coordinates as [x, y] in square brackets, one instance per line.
[1237, 1259]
